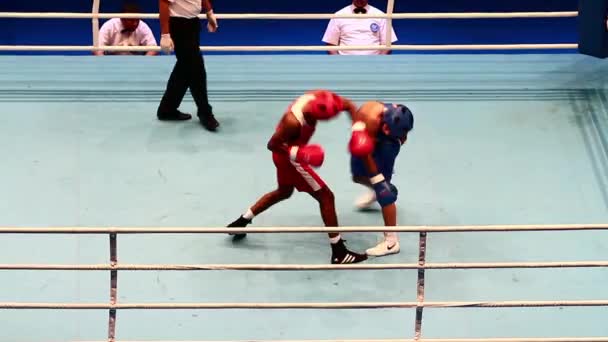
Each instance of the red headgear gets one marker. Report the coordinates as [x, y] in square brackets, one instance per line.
[325, 105]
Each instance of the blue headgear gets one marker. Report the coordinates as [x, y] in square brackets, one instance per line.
[399, 120]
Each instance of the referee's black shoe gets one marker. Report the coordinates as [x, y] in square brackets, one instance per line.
[173, 116]
[208, 121]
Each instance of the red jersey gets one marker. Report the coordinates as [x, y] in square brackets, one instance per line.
[306, 130]
[289, 172]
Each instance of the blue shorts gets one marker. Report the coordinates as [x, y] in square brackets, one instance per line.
[384, 155]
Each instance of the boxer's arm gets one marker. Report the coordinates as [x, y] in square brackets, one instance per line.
[287, 132]
[370, 165]
[362, 143]
[365, 125]
[369, 115]
[349, 106]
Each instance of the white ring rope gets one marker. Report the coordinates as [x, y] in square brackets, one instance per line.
[256, 230]
[114, 266]
[298, 48]
[302, 267]
[388, 46]
[525, 339]
[481, 15]
[337, 305]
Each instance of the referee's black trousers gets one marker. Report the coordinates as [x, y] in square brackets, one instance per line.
[189, 70]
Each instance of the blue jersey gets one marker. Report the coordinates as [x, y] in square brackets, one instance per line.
[385, 153]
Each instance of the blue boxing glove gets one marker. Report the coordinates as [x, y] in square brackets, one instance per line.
[386, 193]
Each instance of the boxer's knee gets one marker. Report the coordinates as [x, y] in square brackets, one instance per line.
[284, 192]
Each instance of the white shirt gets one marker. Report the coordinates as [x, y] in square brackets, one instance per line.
[110, 34]
[185, 8]
[364, 31]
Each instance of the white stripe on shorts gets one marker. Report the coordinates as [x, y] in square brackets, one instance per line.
[307, 176]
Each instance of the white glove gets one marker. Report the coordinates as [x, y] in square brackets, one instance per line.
[166, 43]
[211, 22]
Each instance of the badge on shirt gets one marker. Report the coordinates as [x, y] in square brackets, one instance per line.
[374, 27]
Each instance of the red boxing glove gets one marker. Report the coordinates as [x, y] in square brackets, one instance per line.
[309, 154]
[361, 144]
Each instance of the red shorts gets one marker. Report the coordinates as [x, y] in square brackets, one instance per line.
[300, 176]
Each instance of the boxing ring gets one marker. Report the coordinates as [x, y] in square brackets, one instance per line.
[560, 153]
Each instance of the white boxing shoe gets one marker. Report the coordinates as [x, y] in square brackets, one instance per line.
[383, 248]
[366, 200]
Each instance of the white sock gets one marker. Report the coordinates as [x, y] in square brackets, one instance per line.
[391, 238]
[335, 240]
[248, 215]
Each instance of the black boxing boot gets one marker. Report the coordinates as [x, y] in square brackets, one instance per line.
[341, 255]
[241, 222]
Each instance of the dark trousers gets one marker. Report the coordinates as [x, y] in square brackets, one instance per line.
[189, 70]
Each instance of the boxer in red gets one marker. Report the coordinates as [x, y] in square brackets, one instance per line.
[295, 158]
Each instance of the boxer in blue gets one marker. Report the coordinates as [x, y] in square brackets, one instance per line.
[378, 132]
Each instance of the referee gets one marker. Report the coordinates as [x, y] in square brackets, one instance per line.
[180, 31]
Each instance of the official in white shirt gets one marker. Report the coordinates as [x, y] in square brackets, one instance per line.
[364, 31]
[126, 32]
[180, 31]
